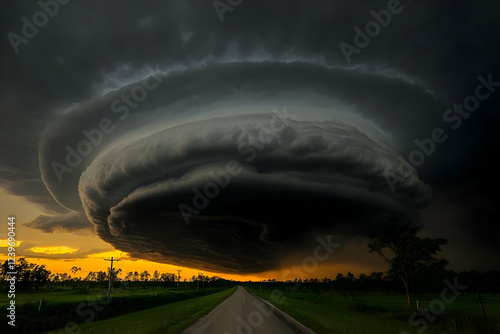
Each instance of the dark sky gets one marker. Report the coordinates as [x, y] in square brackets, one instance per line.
[157, 100]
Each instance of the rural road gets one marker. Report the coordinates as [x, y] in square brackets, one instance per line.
[244, 313]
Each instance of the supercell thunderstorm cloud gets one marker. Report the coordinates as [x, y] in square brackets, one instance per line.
[228, 145]
[292, 171]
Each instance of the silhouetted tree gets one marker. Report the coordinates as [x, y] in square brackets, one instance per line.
[75, 269]
[115, 273]
[145, 276]
[29, 275]
[129, 276]
[410, 254]
[39, 276]
[91, 276]
[101, 277]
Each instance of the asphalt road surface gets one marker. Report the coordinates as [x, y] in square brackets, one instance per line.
[244, 313]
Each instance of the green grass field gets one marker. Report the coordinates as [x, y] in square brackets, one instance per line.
[63, 306]
[367, 313]
[171, 318]
[380, 313]
[71, 295]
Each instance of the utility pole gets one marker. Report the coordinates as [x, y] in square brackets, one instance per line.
[110, 279]
[198, 281]
[178, 278]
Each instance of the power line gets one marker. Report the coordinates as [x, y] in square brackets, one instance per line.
[110, 275]
[178, 278]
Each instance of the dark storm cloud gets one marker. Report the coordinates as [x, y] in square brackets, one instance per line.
[195, 93]
[69, 222]
[309, 176]
[264, 53]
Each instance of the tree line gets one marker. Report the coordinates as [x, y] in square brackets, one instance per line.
[32, 276]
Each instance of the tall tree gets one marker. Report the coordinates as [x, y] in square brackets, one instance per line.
[145, 276]
[40, 276]
[75, 269]
[130, 276]
[406, 253]
[114, 274]
[101, 276]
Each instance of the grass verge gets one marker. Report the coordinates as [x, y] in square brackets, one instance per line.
[171, 318]
[377, 313]
[57, 314]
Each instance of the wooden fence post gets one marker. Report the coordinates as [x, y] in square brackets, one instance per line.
[481, 304]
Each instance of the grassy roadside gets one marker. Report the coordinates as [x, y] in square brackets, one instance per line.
[76, 295]
[380, 313]
[77, 307]
[171, 318]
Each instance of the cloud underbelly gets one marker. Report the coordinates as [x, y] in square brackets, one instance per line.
[219, 195]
